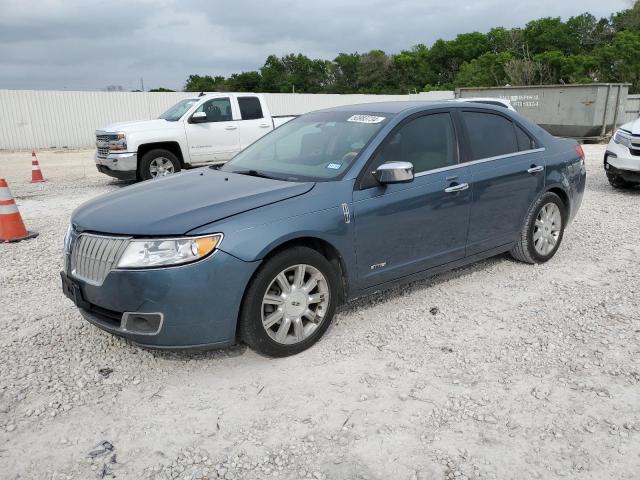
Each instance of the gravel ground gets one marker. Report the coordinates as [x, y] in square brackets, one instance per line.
[495, 371]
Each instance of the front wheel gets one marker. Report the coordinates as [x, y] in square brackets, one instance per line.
[290, 303]
[158, 163]
[542, 231]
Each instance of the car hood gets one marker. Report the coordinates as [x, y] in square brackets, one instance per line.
[633, 127]
[179, 203]
[137, 126]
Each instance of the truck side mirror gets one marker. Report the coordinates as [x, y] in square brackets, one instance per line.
[198, 117]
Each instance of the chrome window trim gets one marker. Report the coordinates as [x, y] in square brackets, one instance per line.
[481, 160]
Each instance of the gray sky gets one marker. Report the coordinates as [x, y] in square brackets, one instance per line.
[87, 44]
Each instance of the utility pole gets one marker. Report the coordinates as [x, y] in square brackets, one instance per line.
[142, 84]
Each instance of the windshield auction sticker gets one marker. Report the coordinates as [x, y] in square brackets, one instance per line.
[365, 119]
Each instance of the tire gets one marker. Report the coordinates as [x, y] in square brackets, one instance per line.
[528, 249]
[165, 162]
[618, 182]
[300, 332]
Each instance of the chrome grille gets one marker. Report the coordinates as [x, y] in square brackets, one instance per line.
[102, 143]
[94, 256]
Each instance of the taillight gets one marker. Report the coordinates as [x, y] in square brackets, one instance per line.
[580, 152]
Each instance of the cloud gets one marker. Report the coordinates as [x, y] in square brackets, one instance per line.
[75, 44]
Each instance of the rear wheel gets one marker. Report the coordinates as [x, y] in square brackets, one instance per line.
[290, 303]
[542, 231]
[158, 163]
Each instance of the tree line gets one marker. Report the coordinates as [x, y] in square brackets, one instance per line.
[582, 49]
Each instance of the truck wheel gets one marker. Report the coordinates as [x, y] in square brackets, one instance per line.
[290, 303]
[542, 231]
[617, 181]
[158, 163]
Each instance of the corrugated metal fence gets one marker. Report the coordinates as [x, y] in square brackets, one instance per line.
[32, 119]
[632, 108]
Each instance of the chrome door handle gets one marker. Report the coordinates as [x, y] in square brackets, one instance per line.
[264, 125]
[230, 128]
[456, 188]
[535, 169]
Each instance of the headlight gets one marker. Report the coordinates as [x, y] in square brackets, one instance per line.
[623, 138]
[164, 252]
[120, 143]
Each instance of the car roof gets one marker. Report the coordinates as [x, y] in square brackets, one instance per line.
[398, 107]
[385, 107]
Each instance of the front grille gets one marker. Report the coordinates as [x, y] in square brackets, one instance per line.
[102, 143]
[93, 257]
[103, 152]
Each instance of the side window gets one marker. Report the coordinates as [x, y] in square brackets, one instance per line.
[428, 142]
[489, 135]
[524, 140]
[250, 108]
[217, 110]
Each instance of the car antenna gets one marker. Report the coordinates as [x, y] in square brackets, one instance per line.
[201, 94]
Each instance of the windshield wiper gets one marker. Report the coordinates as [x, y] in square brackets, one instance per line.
[254, 173]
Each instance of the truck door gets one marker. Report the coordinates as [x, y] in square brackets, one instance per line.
[218, 138]
[252, 123]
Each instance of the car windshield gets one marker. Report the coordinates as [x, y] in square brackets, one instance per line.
[178, 110]
[316, 146]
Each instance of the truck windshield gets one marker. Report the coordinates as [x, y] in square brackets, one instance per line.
[176, 112]
[316, 146]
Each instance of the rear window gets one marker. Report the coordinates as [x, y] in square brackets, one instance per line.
[524, 140]
[250, 108]
[489, 135]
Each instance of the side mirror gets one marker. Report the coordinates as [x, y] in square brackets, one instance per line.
[198, 117]
[394, 172]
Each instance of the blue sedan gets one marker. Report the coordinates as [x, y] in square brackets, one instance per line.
[331, 206]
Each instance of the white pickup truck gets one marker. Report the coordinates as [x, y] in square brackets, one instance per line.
[196, 131]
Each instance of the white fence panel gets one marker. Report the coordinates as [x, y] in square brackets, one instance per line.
[31, 119]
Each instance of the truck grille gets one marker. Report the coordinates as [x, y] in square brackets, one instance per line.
[93, 256]
[102, 143]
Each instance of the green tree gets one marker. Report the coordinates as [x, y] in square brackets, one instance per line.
[485, 71]
[343, 73]
[205, 83]
[161, 89]
[374, 71]
[245, 82]
[620, 61]
[550, 34]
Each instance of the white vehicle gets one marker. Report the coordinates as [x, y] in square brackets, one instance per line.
[498, 102]
[622, 158]
[196, 131]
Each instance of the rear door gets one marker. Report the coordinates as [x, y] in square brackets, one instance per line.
[252, 123]
[218, 138]
[401, 229]
[507, 173]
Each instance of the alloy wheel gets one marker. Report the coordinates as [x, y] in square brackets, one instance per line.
[161, 167]
[295, 304]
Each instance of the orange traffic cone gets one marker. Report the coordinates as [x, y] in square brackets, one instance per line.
[12, 227]
[36, 174]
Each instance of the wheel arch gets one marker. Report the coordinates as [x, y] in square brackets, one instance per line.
[564, 196]
[171, 146]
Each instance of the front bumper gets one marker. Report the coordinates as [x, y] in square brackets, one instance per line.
[119, 165]
[193, 306]
[621, 158]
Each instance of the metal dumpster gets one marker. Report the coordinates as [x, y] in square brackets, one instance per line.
[587, 111]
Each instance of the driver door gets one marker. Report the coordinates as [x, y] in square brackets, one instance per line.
[218, 138]
[404, 228]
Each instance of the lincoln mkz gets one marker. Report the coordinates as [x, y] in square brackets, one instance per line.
[331, 206]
